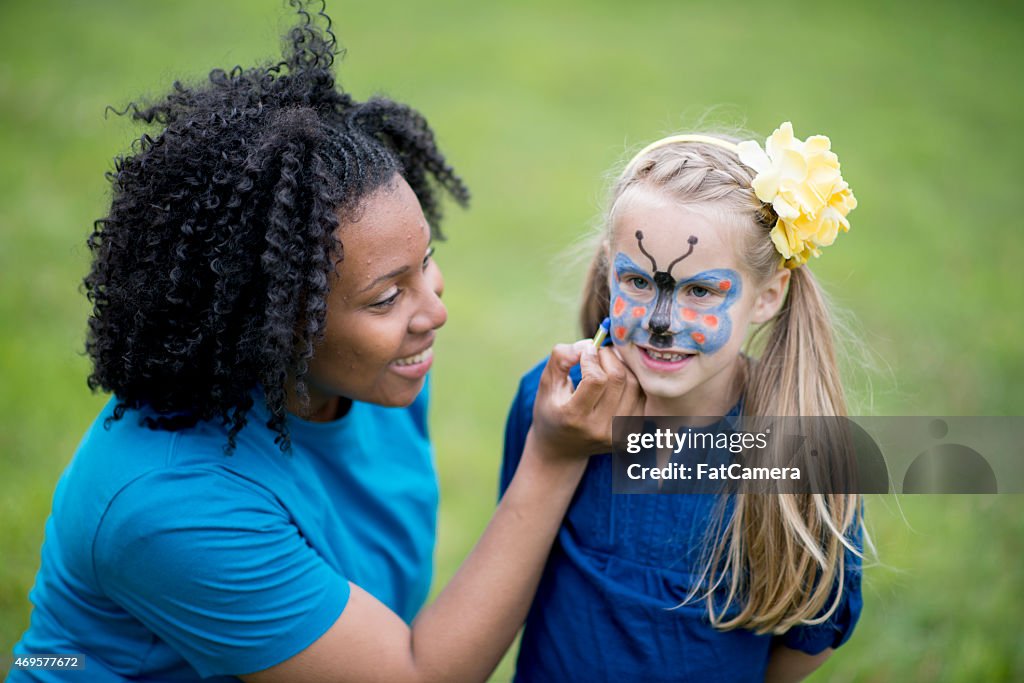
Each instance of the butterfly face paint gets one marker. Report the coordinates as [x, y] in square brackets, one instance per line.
[650, 308]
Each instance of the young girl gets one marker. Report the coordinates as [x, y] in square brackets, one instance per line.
[704, 240]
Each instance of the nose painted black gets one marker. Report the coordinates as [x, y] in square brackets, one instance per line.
[661, 318]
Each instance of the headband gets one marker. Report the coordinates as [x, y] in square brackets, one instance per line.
[800, 179]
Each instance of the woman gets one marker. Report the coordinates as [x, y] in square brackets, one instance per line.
[257, 500]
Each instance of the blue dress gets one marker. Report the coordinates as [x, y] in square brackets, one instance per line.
[606, 608]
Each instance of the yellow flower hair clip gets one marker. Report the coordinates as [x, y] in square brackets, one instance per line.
[802, 182]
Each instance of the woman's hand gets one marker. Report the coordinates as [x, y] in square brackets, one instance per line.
[569, 423]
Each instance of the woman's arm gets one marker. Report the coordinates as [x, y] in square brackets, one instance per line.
[786, 665]
[462, 635]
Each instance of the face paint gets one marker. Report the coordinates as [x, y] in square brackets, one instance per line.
[653, 309]
[661, 319]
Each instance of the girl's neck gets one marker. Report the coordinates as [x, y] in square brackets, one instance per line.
[714, 398]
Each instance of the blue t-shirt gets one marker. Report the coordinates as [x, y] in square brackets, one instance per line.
[166, 559]
[618, 567]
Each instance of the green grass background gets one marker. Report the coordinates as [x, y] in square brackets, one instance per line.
[534, 102]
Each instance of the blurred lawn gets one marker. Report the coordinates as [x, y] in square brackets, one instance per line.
[533, 104]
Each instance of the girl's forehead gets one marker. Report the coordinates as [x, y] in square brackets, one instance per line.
[648, 221]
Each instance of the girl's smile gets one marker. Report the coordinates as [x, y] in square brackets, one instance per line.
[665, 360]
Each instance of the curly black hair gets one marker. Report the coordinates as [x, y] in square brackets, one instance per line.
[210, 273]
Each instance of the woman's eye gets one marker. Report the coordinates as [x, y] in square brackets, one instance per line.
[426, 259]
[388, 302]
[638, 282]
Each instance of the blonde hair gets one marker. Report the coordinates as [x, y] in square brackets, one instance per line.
[778, 555]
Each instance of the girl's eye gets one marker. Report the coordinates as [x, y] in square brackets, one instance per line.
[699, 292]
[388, 302]
[426, 259]
[638, 282]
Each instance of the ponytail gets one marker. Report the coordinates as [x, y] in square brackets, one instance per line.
[781, 554]
[797, 374]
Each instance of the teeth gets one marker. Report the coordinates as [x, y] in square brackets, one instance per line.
[671, 357]
[418, 358]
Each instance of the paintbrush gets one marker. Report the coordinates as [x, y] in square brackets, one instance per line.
[602, 332]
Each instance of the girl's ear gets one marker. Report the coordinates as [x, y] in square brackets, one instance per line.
[771, 296]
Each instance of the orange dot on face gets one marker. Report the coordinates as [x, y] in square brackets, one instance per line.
[724, 285]
[711, 321]
[619, 306]
[620, 332]
[689, 314]
[639, 311]
[698, 337]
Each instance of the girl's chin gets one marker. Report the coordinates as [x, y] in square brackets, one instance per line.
[659, 385]
[665, 391]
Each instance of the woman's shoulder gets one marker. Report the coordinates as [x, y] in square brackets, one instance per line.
[123, 444]
[205, 560]
[176, 498]
[125, 478]
[122, 453]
